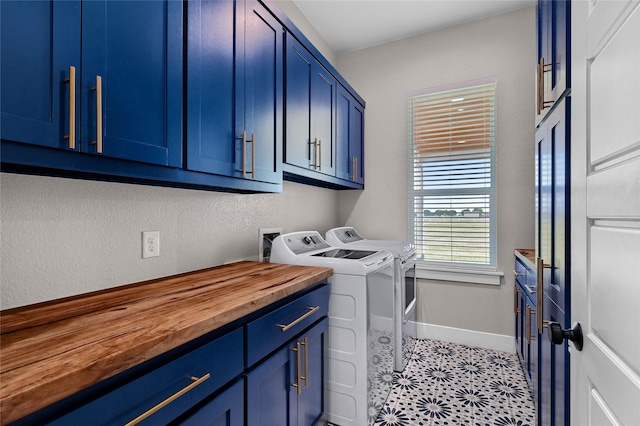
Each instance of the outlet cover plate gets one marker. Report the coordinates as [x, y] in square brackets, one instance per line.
[150, 244]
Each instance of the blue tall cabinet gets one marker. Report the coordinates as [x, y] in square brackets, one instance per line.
[96, 77]
[553, 100]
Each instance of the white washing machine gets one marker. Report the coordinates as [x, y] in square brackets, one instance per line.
[359, 359]
[405, 285]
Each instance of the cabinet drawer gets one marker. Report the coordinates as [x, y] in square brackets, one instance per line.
[521, 273]
[197, 374]
[275, 328]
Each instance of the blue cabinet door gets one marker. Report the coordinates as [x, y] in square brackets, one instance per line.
[226, 409]
[552, 169]
[554, 72]
[356, 142]
[271, 398]
[310, 111]
[323, 95]
[211, 140]
[298, 147]
[135, 48]
[259, 87]
[40, 40]
[311, 397]
[350, 138]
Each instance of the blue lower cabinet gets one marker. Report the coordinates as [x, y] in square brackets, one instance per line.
[192, 378]
[311, 396]
[287, 388]
[553, 390]
[226, 409]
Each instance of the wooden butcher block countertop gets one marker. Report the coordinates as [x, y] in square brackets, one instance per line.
[528, 256]
[51, 350]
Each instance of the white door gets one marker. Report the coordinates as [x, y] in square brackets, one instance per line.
[605, 182]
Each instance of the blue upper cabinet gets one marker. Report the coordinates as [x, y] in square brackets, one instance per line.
[553, 76]
[310, 111]
[97, 77]
[132, 64]
[258, 102]
[211, 139]
[40, 42]
[350, 138]
[234, 90]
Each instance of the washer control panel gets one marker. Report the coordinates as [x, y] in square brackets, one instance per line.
[348, 235]
[302, 242]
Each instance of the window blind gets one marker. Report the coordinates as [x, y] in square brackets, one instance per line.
[452, 174]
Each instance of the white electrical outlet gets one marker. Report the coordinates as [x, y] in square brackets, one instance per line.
[150, 244]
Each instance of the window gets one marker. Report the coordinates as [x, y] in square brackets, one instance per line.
[452, 179]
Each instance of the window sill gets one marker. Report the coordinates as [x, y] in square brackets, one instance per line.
[472, 276]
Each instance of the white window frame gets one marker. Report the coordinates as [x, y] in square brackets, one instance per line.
[468, 272]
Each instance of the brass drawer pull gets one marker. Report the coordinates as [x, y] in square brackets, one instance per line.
[294, 322]
[72, 107]
[98, 90]
[530, 337]
[306, 361]
[297, 385]
[517, 273]
[245, 141]
[516, 291]
[530, 289]
[141, 417]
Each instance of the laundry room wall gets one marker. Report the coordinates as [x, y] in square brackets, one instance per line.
[501, 46]
[62, 237]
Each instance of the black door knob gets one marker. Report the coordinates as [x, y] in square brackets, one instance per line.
[557, 334]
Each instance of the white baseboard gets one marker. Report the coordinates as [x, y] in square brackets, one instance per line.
[461, 336]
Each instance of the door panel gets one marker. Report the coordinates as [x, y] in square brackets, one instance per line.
[211, 139]
[43, 40]
[605, 375]
[323, 89]
[263, 78]
[136, 47]
[298, 149]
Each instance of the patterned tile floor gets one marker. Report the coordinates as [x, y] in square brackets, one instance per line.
[450, 384]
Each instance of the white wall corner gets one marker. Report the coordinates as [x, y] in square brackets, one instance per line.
[461, 336]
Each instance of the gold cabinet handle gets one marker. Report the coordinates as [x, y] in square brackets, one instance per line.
[542, 324]
[245, 141]
[530, 289]
[196, 381]
[516, 273]
[253, 155]
[297, 385]
[310, 311]
[316, 154]
[354, 168]
[530, 311]
[72, 107]
[516, 292]
[541, 103]
[98, 90]
[306, 361]
[243, 138]
[319, 154]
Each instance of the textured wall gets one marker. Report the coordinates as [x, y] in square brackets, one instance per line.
[501, 46]
[65, 236]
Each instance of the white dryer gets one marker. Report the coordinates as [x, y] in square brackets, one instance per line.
[405, 285]
[359, 360]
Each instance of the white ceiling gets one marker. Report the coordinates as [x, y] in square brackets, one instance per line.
[348, 25]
